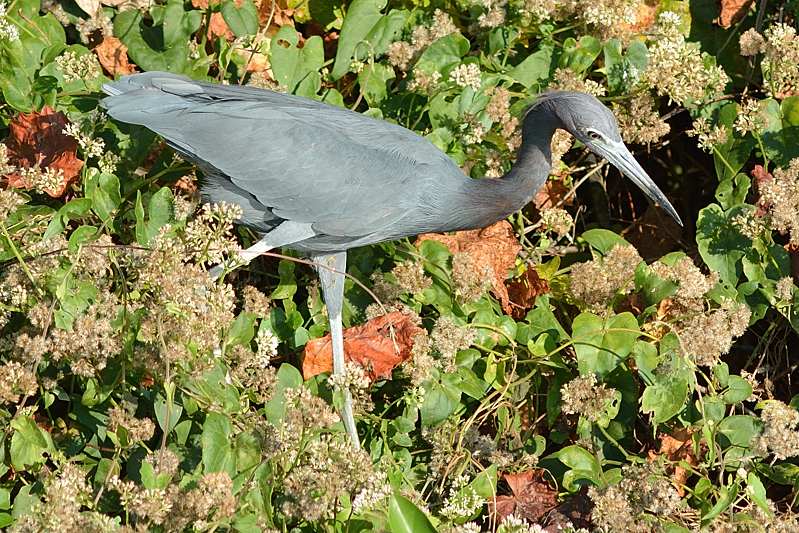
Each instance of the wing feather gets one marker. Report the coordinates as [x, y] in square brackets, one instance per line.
[343, 172]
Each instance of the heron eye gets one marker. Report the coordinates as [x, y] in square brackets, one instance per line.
[595, 135]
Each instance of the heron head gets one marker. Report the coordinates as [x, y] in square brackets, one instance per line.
[590, 121]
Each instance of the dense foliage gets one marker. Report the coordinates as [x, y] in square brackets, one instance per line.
[587, 365]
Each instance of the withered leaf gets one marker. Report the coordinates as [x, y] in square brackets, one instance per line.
[677, 447]
[371, 345]
[495, 246]
[732, 11]
[37, 139]
[551, 194]
[113, 56]
[574, 512]
[531, 499]
[217, 27]
[277, 13]
[523, 291]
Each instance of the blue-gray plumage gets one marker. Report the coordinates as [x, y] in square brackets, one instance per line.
[321, 179]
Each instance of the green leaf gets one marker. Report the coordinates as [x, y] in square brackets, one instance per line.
[732, 155]
[160, 211]
[439, 403]
[733, 191]
[241, 20]
[405, 517]
[444, 54]
[535, 68]
[757, 492]
[603, 240]
[579, 55]
[583, 466]
[242, 330]
[665, 399]
[217, 451]
[601, 344]
[721, 245]
[287, 377]
[164, 45]
[175, 412]
[373, 79]
[29, 442]
[485, 483]
[103, 190]
[361, 18]
[738, 390]
[294, 67]
[287, 286]
[727, 496]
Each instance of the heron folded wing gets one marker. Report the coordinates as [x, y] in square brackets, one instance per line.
[343, 172]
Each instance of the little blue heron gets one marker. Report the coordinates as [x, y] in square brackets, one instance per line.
[321, 179]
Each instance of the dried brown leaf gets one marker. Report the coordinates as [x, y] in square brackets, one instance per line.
[732, 11]
[551, 194]
[371, 345]
[677, 447]
[279, 11]
[523, 291]
[37, 139]
[217, 27]
[531, 499]
[495, 246]
[113, 56]
[574, 512]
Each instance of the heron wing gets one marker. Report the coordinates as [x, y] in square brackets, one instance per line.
[343, 172]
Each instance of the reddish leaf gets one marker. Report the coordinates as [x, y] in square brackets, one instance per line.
[677, 447]
[37, 139]
[574, 512]
[495, 246]
[113, 56]
[217, 27]
[371, 345]
[277, 13]
[523, 291]
[531, 499]
[732, 11]
[551, 194]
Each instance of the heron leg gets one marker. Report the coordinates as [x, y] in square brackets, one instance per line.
[331, 268]
[286, 233]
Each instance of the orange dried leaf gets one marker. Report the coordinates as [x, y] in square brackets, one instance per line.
[677, 447]
[523, 291]
[113, 56]
[551, 194]
[370, 345]
[37, 139]
[531, 497]
[732, 11]
[276, 13]
[495, 246]
[217, 27]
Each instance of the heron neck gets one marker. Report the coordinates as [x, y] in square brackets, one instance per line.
[489, 200]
